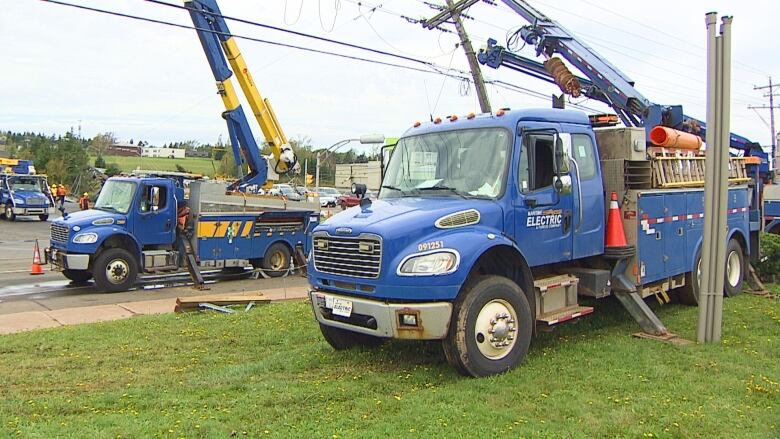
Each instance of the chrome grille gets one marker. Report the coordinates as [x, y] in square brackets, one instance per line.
[59, 233]
[356, 257]
[36, 201]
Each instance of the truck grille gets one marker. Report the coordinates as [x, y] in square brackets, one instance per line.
[356, 257]
[59, 233]
[36, 201]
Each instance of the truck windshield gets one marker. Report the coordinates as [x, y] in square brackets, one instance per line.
[466, 163]
[26, 184]
[116, 196]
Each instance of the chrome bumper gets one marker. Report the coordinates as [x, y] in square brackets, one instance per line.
[385, 319]
[64, 261]
[34, 211]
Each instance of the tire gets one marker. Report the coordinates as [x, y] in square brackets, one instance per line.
[9, 212]
[77, 276]
[341, 339]
[689, 293]
[735, 269]
[276, 262]
[43, 217]
[115, 270]
[489, 303]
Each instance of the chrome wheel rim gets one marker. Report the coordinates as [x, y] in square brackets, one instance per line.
[496, 329]
[117, 271]
[277, 261]
[733, 269]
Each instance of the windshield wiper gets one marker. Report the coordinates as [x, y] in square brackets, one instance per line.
[387, 186]
[443, 188]
[111, 208]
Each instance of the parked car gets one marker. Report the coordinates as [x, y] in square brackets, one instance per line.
[349, 200]
[285, 190]
[329, 196]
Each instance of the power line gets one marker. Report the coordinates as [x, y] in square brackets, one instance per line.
[432, 68]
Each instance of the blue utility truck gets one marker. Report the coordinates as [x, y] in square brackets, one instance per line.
[23, 192]
[489, 225]
[146, 225]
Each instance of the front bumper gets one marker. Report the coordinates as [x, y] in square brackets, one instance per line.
[64, 261]
[383, 319]
[33, 211]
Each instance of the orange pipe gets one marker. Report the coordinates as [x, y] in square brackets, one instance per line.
[665, 136]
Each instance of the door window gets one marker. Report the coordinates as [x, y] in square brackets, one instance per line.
[582, 151]
[153, 198]
[537, 163]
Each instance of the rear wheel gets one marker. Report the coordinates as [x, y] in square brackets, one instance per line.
[341, 339]
[735, 269]
[78, 276]
[9, 212]
[115, 270]
[490, 330]
[276, 262]
[689, 293]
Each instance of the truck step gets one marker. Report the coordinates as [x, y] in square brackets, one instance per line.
[564, 315]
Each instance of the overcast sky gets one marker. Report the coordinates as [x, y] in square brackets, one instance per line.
[62, 66]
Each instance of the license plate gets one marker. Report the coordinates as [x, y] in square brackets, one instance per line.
[340, 307]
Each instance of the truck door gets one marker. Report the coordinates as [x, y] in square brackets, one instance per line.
[588, 196]
[155, 223]
[543, 206]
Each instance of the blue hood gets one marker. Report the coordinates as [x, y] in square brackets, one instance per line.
[408, 217]
[84, 218]
[27, 196]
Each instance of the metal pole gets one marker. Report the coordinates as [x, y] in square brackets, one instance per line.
[772, 123]
[305, 172]
[722, 182]
[705, 297]
[317, 182]
[476, 72]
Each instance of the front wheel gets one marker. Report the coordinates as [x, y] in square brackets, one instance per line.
[276, 262]
[341, 339]
[115, 270]
[43, 217]
[490, 330]
[735, 269]
[9, 212]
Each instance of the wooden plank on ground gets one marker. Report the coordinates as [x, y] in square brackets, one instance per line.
[184, 304]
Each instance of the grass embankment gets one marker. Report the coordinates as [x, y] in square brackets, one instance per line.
[195, 165]
[268, 372]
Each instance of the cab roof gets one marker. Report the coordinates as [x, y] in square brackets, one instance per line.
[503, 118]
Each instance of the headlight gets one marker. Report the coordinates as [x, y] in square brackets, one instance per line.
[18, 201]
[440, 262]
[85, 238]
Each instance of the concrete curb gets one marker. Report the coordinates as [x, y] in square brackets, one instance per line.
[31, 320]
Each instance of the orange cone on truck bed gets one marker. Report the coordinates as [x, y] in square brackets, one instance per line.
[616, 237]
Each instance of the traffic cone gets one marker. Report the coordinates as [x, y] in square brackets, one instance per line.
[616, 237]
[37, 266]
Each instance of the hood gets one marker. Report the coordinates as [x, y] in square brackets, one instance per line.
[36, 197]
[84, 218]
[407, 216]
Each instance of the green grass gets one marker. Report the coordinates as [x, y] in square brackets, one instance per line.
[195, 165]
[268, 372]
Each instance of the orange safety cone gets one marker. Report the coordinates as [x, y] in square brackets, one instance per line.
[37, 266]
[616, 237]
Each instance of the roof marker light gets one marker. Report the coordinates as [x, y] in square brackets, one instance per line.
[471, 116]
[437, 120]
[416, 124]
[500, 112]
[453, 118]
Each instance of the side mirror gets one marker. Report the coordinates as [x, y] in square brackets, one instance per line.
[154, 198]
[561, 157]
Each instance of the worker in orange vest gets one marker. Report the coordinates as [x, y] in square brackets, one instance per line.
[84, 202]
[61, 195]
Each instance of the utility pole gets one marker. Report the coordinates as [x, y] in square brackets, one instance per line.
[453, 11]
[771, 108]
